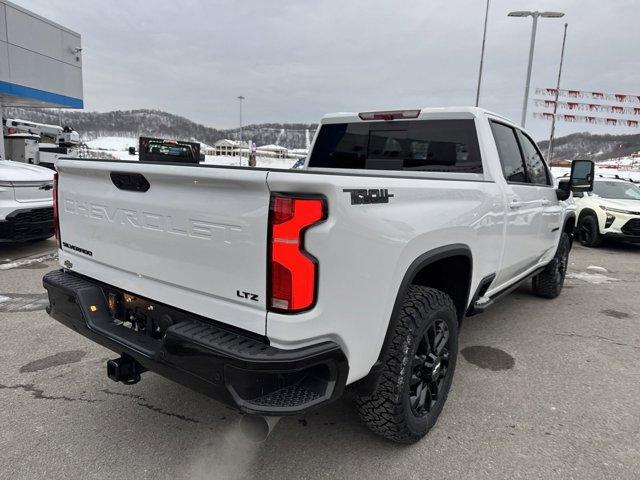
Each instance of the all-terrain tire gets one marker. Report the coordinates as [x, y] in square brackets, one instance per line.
[589, 231]
[393, 410]
[549, 282]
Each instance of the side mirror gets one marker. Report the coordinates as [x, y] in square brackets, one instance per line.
[564, 189]
[582, 175]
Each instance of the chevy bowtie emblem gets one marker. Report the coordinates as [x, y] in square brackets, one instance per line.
[46, 186]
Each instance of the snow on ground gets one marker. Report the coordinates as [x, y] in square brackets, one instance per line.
[112, 143]
[624, 174]
[118, 147]
[594, 278]
[117, 154]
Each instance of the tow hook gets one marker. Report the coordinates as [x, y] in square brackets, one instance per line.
[124, 369]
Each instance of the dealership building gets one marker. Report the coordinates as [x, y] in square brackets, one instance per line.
[40, 62]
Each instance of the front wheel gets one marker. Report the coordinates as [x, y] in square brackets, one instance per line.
[417, 370]
[549, 282]
[589, 231]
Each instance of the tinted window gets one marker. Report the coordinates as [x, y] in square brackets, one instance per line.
[509, 152]
[420, 145]
[533, 161]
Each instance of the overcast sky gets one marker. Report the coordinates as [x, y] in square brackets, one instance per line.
[295, 60]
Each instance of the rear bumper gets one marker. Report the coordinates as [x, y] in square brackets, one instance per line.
[27, 224]
[232, 366]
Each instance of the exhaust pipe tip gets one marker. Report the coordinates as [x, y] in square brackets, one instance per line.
[257, 429]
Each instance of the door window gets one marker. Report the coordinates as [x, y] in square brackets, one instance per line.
[536, 168]
[509, 152]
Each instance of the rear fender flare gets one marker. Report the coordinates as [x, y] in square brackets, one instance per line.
[368, 383]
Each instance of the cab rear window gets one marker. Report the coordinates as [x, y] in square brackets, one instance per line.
[419, 145]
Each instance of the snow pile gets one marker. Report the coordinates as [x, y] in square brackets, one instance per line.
[597, 269]
[593, 278]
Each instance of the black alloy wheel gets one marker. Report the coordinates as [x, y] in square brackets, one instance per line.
[589, 232]
[429, 368]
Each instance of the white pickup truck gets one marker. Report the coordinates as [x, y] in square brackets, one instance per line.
[272, 290]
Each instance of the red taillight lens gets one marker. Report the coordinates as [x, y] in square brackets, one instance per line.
[281, 210]
[56, 221]
[293, 270]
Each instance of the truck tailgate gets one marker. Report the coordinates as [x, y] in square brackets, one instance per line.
[193, 240]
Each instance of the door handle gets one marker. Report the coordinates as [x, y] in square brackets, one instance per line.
[545, 202]
[514, 204]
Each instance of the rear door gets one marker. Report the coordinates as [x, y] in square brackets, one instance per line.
[194, 239]
[523, 247]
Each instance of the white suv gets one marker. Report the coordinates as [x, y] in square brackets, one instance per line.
[611, 210]
[26, 202]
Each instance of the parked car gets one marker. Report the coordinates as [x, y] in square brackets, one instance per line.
[273, 290]
[26, 202]
[610, 211]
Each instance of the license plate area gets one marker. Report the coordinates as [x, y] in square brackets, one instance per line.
[139, 315]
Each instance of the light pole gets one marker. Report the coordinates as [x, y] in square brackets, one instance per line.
[555, 104]
[535, 15]
[484, 40]
[240, 98]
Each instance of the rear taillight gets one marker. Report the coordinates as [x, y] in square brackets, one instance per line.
[56, 220]
[293, 272]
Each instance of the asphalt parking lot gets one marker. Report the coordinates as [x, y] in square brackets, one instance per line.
[543, 389]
